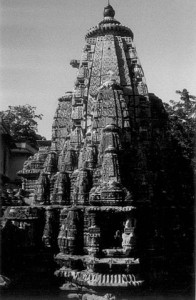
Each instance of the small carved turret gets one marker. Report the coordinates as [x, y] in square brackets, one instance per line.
[61, 190]
[70, 239]
[84, 185]
[110, 166]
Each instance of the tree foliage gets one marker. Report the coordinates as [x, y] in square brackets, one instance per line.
[181, 151]
[182, 121]
[180, 166]
[21, 121]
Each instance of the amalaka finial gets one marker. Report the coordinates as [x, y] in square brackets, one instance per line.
[109, 11]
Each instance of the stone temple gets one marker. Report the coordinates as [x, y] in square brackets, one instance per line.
[90, 193]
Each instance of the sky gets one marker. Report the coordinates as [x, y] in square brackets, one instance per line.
[38, 39]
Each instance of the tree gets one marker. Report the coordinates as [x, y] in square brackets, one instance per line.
[188, 105]
[179, 167]
[180, 159]
[182, 122]
[21, 121]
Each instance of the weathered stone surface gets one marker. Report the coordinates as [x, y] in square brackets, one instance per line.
[95, 179]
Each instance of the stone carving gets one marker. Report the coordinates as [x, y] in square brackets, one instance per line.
[47, 237]
[109, 59]
[138, 73]
[96, 167]
[83, 185]
[128, 236]
[69, 235]
[93, 236]
[75, 63]
[61, 190]
[123, 69]
[42, 194]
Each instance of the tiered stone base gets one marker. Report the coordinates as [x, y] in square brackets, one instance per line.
[106, 277]
[92, 279]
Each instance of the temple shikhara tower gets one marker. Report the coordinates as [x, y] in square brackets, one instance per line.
[90, 191]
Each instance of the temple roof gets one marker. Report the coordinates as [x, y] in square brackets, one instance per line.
[109, 25]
